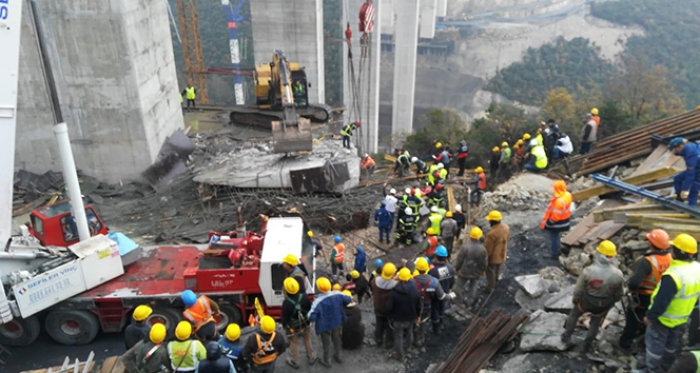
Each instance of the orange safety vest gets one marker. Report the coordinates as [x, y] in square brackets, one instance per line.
[659, 264]
[433, 245]
[339, 253]
[367, 162]
[199, 313]
[261, 356]
[482, 181]
[559, 208]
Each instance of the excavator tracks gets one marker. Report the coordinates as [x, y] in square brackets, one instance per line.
[254, 116]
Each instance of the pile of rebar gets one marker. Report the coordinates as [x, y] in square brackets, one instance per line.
[481, 341]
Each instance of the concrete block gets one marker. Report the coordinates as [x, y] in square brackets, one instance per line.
[543, 333]
[561, 301]
[533, 285]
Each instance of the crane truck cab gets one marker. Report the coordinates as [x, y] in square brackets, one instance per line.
[54, 225]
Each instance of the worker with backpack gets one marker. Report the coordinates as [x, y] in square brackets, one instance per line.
[295, 310]
[432, 295]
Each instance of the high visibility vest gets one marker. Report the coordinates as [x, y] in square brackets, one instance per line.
[180, 97]
[347, 130]
[540, 157]
[482, 181]
[199, 313]
[686, 275]
[506, 153]
[339, 253]
[431, 171]
[435, 220]
[697, 357]
[189, 93]
[266, 353]
[539, 139]
[367, 162]
[443, 173]
[433, 240]
[560, 208]
[183, 355]
[659, 263]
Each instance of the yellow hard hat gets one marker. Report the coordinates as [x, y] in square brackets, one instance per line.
[233, 332]
[310, 234]
[504, 144]
[267, 324]
[496, 149]
[494, 216]
[291, 260]
[607, 248]
[539, 130]
[291, 285]
[448, 214]
[183, 330]
[348, 293]
[157, 333]
[404, 274]
[526, 136]
[479, 169]
[142, 312]
[438, 145]
[354, 274]
[594, 111]
[476, 233]
[336, 287]
[388, 271]
[422, 264]
[685, 243]
[430, 231]
[519, 142]
[323, 284]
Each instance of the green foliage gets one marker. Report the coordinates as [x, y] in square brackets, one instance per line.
[562, 63]
[443, 125]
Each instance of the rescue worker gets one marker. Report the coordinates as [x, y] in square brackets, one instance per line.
[448, 231]
[357, 284]
[687, 362]
[368, 165]
[382, 286]
[337, 256]
[435, 219]
[432, 295]
[538, 138]
[291, 264]
[415, 202]
[556, 218]
[562, 147]
[597, 290]
[442, 173]
[328, 314]
[672, 302]
[200, 313]
[445, 273]
[262, 348]
[551, 136]
[318, 247]
[403, 163]
[360, 259]
[298, 90]
[384, 222]
[190, 93]
[496, 244]
[406, 233]
[346, 132]
[595, 117]
[459, 217]
[138, 329]
[295, 320]
[504, 162]
[538, 159]
[402, 204]
[390, 200]
[432, 177]
[185, 353]
[588, 134]
[430, 244]
[479, 186]
[462, 153]
[404, 308]
[148, 356]
[647, 274]
[444, 158]
[421, 167]
[231, 348]
[687, 183]
[353, 330]
[436, 197]
[470, 265]
[215, 362]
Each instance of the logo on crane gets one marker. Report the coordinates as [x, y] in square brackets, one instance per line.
[4, 9]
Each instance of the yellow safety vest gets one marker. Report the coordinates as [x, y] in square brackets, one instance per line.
[189, 93]
[431, 171]
[540, 140]
[686, 275]
[435, 220]
[443, 173]
[180, 97]
[697, 357]
[540, 157]
[185, 355]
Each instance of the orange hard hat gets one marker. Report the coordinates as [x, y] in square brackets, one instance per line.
[659, 238]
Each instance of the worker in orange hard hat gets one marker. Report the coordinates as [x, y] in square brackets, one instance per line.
[647, 274]
[556, 218]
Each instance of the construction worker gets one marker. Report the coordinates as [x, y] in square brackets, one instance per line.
[346, 132]
[138, 329]
[687, 362]
[432, 295]
[588, 134]
[556, 218]
[528, 143]
[291, 264]
[231, 348]
[368, 165]
[336, 287]
[436, 197]
[445, 273]
[470, 264]
[390, 200]
[435, 219]
[459, 217]
[442, 173]
[200, 312]
[479, 186]
[672, 302]
[262, 348]
[595, 117]
[448, 232]
[361, 285]
[562, 147]
[421, 167]
[406, 233]
[496, 244]
[384, 221]
[299, 94]
[647, 274]
[353, 330]
[432, 177]
[538, 159]
[381, 291]
[216, 361]
[519, 154]
[318, 247]
[295, 320]
[190, 93]
[403, 163]
[402, 204]
[687, 183]
[148, 355]
[504, 161]
[539, 138]
[337, 256]
[462, 153]
[328, 313]
[415, 202]
[444, 158]
[597, 290]
[360, 259]
[430, 244]
[404, 308]
[377, 270]
[184, 352]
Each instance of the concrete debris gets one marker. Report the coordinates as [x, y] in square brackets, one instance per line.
[543, 333]
[532, 285]
[526, 193]
[635, 245]
[518, 364]
[561, 301]
[529, 303]
[576, 261]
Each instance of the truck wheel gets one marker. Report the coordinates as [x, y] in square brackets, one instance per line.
[72, 327]
[228, 314]
[20, 332]
[166, 316]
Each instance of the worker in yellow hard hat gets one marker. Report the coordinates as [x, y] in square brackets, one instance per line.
[135, 359]
[291, 265]
[598, 288]
[403, 308]
[470, 264]
[185, 353]
[139, 328]
[478, 188]
[672, 303]
[353, 330]
[432, 297]
[382, 285]
[231, 346]
[496, 244]
[328, 314]
[494, 163]
[448, 231]
[595, 117]
[262, 348]
[504, 161]
[318, 247]
[295, 310]
[357, 284]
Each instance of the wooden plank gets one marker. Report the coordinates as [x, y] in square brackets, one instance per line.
[451, 202]
[634, 180]
[609, 229]
[572, 237]
[390, 158]
[651, 161]
[109, 364]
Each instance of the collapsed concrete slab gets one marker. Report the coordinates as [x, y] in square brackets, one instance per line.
[529, 303]
[561, 301]
[543, 333]
[532, 285]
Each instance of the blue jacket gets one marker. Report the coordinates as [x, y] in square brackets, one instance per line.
[231, 350]
[691, 155]
[360, 259]
[383, 218]
[328, 311]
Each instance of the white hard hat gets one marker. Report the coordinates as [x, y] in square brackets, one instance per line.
[458, 208]
[414, 159]
[440, 166]
[408, 211]
[366, 155]
[392, 191]
[434, 209]
[408, 190]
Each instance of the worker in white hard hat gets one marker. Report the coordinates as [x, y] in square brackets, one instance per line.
[390, 200]
[368, 165]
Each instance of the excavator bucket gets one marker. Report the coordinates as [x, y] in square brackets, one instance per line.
[292, 137]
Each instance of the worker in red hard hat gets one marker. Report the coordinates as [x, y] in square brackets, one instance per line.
[346, 132]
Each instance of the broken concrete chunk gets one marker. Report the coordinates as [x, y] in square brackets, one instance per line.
[635, 245]
[518, 364]
[532, 285]
[543, 333]
[528, 303]
[561, 301]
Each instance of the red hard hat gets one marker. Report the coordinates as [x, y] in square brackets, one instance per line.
[436, 174]
[438, 187]
[413, 192]
[357, 123]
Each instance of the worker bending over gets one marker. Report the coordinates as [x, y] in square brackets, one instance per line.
[368, 165]
[346, 132]
[538, 159]
[687, 183]
[402, 165]
[262, 348]
[200, 313]
[421, 167]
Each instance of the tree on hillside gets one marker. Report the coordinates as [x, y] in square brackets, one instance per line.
[559, 105]
[443, 125]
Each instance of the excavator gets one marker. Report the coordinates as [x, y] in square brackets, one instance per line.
[282, 105]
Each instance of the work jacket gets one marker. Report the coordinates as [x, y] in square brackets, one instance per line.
[588, 131]
[462, 151]
[404, 302]
[135, 332]
[383, 218]
[232, 350]
[445, 273]
[391, 203]
[295, 312]
[367, 162]
[146, 357]
[686, 276]
[496, 243]
[338, 253]
[200, 313]
[658, 264]
[444, 157]
[421, 167]
[448, 228]
[601, 284]
[472, 260]
[691, 155]
[436, 198]
[430, 290]
[415, 203]
[360, 260]
[262, 348]
[185, 355]
[215, 362]
[328, 311]
[481, 181]
[347, 130]
[564, 144]
[381, 289]
[430, 245]
[556, 218]
[435, 220]
[407, 223]
[505, 155]
[431, 171]
[460, 219]
[540, 157]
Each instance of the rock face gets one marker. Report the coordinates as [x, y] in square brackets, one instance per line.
[561, 301]
[532, 285]
[543, 332]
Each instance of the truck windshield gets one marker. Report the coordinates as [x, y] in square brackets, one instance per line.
[55, 209]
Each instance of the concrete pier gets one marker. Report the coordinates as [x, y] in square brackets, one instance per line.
[405, 54]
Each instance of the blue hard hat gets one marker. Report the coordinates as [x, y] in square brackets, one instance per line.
[675, 142]
[441, 251]
[383, 203]
[360, 248]
[189, 298]
[337, 239]
[378, 263]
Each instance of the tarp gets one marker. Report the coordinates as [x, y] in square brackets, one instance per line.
[126, 244]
